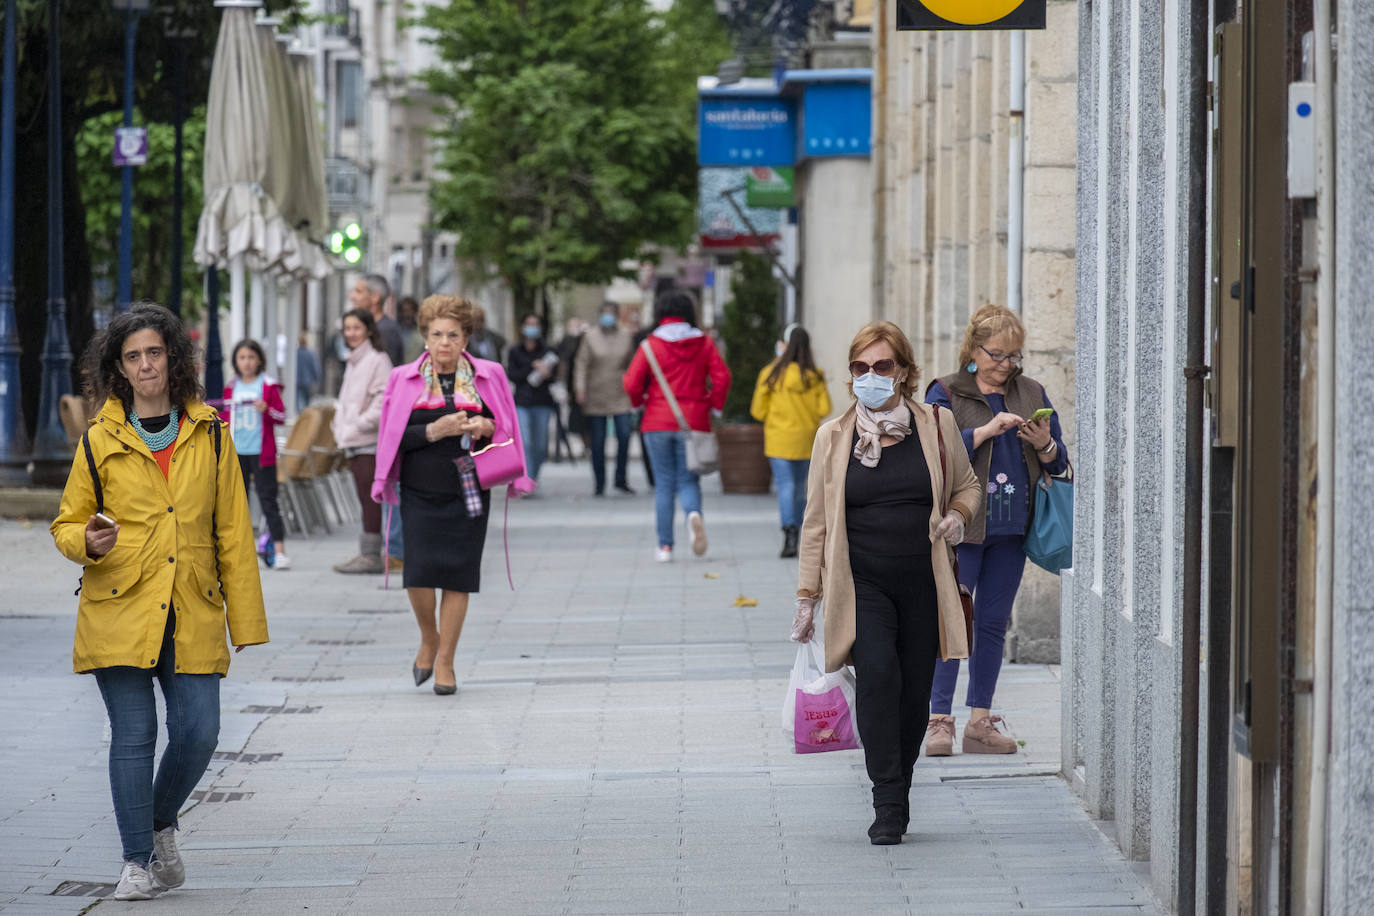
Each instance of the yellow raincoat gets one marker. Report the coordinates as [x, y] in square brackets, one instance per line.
[791, 413]
[165, 556]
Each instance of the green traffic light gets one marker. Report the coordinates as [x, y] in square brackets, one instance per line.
[353, 256]
[353, 231]
[336, 242]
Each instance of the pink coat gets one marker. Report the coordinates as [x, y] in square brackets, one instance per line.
[404, 388]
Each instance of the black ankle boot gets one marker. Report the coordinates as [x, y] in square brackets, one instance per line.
[789, 541]
[888, 826]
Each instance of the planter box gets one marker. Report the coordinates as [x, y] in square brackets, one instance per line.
[743, 465]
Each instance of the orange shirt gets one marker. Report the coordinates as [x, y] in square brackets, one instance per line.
[164, 457]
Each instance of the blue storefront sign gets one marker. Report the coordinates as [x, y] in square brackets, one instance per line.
[837, 119]
[746, 131]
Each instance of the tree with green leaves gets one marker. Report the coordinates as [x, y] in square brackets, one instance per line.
[569, 144]
[749, 329]
[92, 87]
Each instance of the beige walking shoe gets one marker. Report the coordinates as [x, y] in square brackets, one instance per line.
[940, 736]
[361, 565]
[982, 737]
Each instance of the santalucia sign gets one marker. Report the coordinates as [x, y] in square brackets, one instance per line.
[746, 116]
[970, 14]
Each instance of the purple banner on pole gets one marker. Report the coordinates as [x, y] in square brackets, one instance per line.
[130, 146]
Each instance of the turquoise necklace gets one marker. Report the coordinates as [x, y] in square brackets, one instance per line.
[156, 442]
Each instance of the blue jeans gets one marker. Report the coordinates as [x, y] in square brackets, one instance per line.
[596, 432]
[534, 430]
[140, 800]
[790, 476]
[672, 480]
[992, 571]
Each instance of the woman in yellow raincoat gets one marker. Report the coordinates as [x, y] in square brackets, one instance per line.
[156, 514]
[791, 400]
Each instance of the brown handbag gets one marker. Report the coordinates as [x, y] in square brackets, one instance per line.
[965, 596]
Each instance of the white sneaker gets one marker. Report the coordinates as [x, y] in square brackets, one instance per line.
[665, 555]
[166, 867]
[135, 883]
[697, 526]
[281, 562]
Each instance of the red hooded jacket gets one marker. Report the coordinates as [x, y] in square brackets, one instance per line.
[697, 375]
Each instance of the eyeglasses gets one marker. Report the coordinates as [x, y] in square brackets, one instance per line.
[440, 336]
[882, 367]
[1014, 358]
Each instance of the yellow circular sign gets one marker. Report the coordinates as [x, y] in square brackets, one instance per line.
[972, 12]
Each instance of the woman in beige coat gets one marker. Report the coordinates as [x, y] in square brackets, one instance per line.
[883, 513]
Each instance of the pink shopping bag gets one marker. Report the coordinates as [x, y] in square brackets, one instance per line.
[823, 713]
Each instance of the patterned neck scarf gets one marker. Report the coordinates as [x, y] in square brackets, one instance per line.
[465, 395]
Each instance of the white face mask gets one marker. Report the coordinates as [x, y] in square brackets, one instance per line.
[873, 390]
[779, 349]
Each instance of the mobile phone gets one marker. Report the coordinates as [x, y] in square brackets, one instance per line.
[1042, 414]
[103, 521]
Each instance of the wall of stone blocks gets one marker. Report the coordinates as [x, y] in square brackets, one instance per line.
[942, 250]
[1350, 836]
[1120, 605]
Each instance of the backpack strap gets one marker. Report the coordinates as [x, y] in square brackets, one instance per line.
[95, 477]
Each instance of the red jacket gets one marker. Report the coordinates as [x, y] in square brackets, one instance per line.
[274, 414]
[696, 373]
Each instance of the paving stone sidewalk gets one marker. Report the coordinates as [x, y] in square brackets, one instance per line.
[614, 747]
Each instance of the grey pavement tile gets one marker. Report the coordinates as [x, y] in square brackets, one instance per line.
[577, 770]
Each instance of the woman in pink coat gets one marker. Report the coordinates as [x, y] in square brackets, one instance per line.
[436, 413]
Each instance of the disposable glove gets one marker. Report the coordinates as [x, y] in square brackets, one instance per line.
[951, 528]
[802, 626]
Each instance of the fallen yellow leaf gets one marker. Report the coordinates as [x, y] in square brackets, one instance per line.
[742, 601]
[713, 575]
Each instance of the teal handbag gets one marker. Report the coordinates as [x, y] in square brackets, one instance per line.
[1049, 543]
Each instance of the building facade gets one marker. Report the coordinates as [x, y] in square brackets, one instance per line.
[973, 203]
[1223, 729]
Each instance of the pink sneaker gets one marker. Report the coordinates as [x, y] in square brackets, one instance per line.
[940, 736]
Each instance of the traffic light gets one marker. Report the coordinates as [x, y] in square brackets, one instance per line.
[348, 243]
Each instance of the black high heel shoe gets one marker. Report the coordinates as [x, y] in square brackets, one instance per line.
[421, 674]
[445, 690]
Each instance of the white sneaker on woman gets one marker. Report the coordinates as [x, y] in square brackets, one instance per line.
[281, 562]
[697, 526]
[166, 866]
[664, 555]
[135, 883]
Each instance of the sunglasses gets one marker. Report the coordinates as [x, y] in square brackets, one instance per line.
[882, 367]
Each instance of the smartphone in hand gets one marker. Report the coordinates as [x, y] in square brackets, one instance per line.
[104, 521]
[1044, 413]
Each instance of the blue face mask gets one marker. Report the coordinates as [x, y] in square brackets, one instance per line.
[873, 390]
[531, 331]
[608, 321]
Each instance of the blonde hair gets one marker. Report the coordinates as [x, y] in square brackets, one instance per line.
[987, 323]
[440, 306]
[870, 334]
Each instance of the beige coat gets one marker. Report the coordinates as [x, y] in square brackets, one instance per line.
[598, 369]
[824, 549]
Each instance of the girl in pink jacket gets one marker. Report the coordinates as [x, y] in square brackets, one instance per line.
[253, 409]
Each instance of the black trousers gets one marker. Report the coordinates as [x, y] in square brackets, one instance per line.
[896, 641]
[266, 479]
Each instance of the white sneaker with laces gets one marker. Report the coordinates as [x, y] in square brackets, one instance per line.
[665, 555]
[697, 526]
[135, 883]
[282, 562]
[166, 867]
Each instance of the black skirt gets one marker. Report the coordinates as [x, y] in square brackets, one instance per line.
[443, 544]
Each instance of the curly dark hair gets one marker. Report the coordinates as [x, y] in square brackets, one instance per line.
[102, 360]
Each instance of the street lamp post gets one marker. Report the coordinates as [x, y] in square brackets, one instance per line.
[124, 294]
[51, 454]
[14, 444]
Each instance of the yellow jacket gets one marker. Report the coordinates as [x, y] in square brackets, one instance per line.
[165, 554]
[791, 413]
